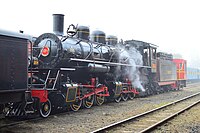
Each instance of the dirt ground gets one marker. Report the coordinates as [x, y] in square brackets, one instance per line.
[87, 120]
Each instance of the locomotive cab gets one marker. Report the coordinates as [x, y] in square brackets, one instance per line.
[149, 56]
[148, 52]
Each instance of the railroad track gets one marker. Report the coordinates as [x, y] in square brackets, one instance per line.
[149, 120]
[10, 122]
[5, 122]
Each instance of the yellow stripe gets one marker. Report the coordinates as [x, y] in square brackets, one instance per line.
[98, 36]
[82, 31]
[181, 79]
[179, 70]
[113, 39]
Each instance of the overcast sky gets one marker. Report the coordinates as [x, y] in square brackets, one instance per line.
[173, 25]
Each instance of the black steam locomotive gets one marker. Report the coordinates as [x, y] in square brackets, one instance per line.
[54, 71]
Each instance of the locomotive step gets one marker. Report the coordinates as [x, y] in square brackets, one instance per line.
[29, 102]
[67, 69]
[29, 112]
[35, 84]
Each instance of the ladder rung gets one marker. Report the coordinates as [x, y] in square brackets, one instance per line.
[49, 88]
[35, 84]
[36, 47]
[51, 78]
[33, 71]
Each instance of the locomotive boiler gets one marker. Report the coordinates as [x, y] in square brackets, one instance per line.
[57, 51]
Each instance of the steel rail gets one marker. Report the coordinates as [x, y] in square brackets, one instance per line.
[168, 118]
[12, 123]
[113, 125]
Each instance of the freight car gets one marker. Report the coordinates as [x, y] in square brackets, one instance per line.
[56, 71]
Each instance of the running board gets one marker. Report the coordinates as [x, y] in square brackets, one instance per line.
[107, 63]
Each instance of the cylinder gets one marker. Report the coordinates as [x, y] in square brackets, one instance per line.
[58, 24]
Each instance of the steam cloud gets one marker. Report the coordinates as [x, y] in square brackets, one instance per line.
[133, 57]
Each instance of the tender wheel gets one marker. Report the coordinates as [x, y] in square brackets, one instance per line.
[131, 96]
[124, 95]
[45, 109]
[157, 87]
[178, 88]
[99, 99]
[88, 102]
[118, 99]
[148, 92]
[76, 105]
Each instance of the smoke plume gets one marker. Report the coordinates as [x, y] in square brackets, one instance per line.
[133, 57]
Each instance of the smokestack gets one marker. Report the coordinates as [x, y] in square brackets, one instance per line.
[58, 24]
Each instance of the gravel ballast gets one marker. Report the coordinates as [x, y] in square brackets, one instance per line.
[87, 120]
